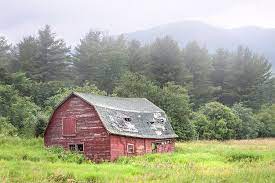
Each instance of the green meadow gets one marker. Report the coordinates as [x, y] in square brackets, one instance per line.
[26, 160]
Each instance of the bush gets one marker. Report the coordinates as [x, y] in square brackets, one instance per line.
[20, 111]
[216, 121]
[41, 125]
[6, 128]
[249, 125]
[266, 117]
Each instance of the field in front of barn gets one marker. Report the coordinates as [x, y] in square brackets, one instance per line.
[200, 161]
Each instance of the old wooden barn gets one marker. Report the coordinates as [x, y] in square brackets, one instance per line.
[104, 128]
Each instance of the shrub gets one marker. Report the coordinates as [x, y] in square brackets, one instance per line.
[216, 121]
[266, 117]
[249, 125]
[6, 128]
[20, 111]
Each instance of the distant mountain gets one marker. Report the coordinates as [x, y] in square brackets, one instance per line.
[260, 40]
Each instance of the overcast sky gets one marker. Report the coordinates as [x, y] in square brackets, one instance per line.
[71, 19]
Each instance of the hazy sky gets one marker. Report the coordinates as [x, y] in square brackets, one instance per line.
[71, 19]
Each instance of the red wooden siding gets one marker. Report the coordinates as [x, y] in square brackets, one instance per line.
[141, 146]
[69, 126]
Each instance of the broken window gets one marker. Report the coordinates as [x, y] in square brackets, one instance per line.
[76, 147]
[130, 148]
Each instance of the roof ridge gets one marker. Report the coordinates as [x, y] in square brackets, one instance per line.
[110, 96]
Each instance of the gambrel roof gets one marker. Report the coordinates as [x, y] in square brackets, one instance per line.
[135, 117]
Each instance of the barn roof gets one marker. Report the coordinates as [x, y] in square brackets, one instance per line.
[135, 117]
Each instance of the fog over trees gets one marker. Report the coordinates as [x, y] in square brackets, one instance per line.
[222, 95]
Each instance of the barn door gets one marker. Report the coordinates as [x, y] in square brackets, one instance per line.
[69, 126]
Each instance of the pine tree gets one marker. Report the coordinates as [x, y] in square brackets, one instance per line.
[198, 62]
[248, 73]
[101, 60]
[44, 58]
[27, 54]
[5, 53]
[138, 57]
[166, 62]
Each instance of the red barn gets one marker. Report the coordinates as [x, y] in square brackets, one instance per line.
[104, 128]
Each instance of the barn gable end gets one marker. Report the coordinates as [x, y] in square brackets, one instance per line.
[89, 129]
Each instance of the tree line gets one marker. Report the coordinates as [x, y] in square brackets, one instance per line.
[221, 95]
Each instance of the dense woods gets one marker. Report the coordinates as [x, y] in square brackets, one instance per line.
[225, 95]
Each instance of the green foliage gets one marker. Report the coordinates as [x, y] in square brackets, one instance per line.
[62, 93]
[67, 156]
[241, 76]
[249, 125]
[136, 85]
[166, 62]
[138, 57]
[6, 128]
[216, 121]
[20, 111]
[43, 58]
[5, 56]
[101, 59]
[266, 116]
[173, 99]
[243, 156]
[41, 124]
[23, 115]
[198, 63]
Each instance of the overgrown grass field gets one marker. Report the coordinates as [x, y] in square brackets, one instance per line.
[24, 160]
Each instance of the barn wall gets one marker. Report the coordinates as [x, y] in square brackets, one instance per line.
[141, 146]
[89, 129]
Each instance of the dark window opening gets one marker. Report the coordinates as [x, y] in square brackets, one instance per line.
[72, 147]
[130, 148]
[127, 119]
[76, 147]
[154, 147]
[80, 147]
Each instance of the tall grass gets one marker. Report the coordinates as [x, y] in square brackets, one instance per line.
[26, 160]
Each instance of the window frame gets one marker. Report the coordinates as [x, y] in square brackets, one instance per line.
[130, 152]
[75, 124]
